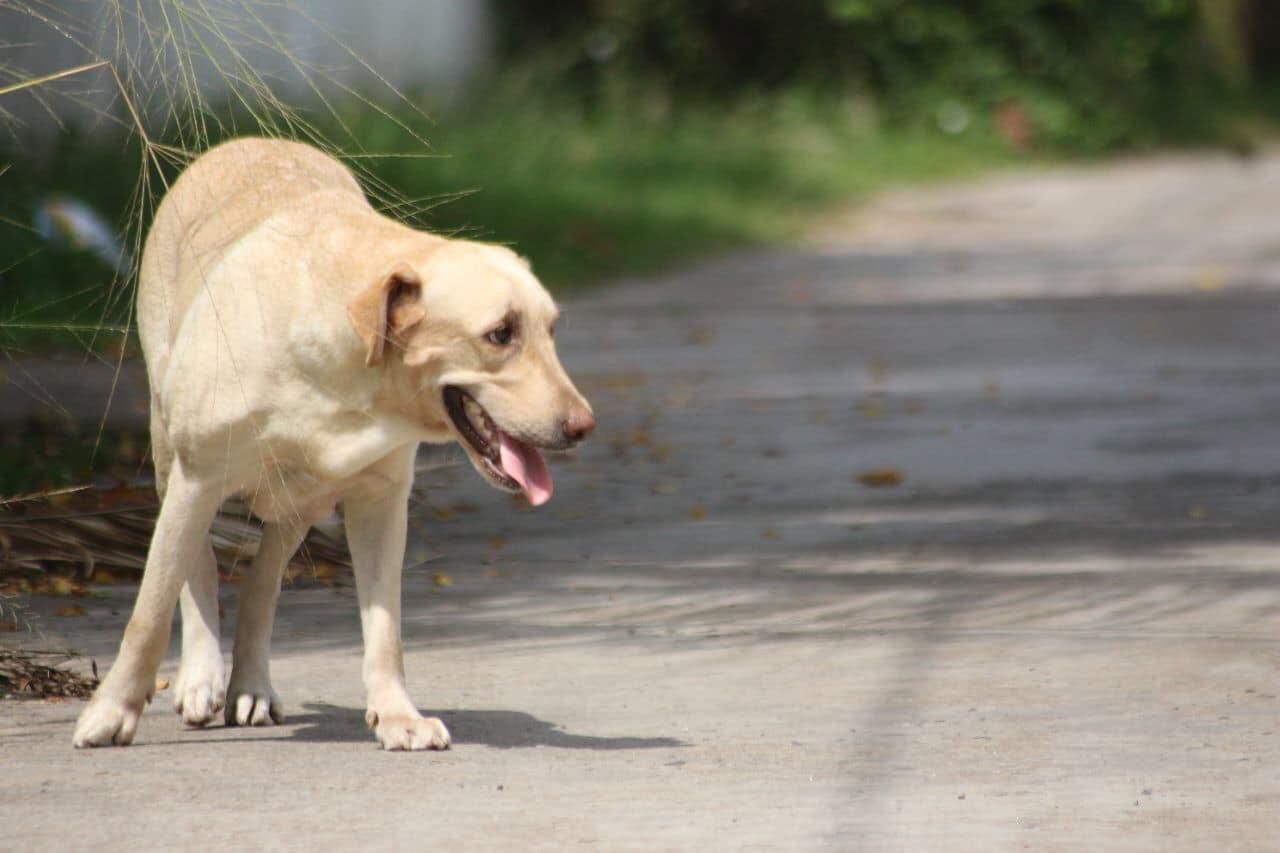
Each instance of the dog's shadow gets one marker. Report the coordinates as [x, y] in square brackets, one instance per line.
[326, 723]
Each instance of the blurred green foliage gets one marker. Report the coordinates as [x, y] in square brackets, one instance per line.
[585, 194]
[56, 295]
[623, 136]
[641, 184]
[1089, 75]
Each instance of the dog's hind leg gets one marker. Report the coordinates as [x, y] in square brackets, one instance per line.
[201, 688]
[251, 701]
[182, 532]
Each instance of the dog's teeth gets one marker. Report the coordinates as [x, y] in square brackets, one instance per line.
[484, 425]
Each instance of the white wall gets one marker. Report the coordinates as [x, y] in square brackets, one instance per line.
[427, 46]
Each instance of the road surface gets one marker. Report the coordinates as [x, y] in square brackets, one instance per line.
[956, 528]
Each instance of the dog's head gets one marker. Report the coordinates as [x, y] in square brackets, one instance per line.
[468, 332]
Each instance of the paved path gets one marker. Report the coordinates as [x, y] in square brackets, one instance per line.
[1061, 631]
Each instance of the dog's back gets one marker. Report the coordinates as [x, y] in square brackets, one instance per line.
[216, 201]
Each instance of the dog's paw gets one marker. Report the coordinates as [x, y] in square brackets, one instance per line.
[407, 732]
[200, 695]
[107, 722]
[252, 702]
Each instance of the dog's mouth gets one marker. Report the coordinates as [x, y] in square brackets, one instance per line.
[504, 460]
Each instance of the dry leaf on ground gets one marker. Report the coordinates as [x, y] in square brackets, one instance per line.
[881, 478]
[37, 674]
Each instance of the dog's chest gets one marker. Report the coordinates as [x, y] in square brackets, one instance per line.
[298, 495]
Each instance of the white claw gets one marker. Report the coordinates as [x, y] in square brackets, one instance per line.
[254, 705]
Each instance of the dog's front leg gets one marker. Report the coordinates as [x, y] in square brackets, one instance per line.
[181, 532]
[376, 529]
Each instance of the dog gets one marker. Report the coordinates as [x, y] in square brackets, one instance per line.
[299, 346]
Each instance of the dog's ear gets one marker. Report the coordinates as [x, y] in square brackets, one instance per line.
[388, 307]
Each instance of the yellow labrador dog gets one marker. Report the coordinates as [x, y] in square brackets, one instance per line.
[299, 346]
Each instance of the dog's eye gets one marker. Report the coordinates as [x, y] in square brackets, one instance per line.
[501, 336]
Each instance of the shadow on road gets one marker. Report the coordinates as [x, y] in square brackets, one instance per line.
[324, 723]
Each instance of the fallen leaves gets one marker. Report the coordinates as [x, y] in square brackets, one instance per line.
[53, 543]
[59, 585]
[450, 513]
[877, 370]
[880, 478]
[55, 586]
[870, 409]
[666, 487]
[799, 291]
[1210, 279]
[639, 437]
[699, 336]
[323, 570]
[615, 382]
[38, 674]
[879, 406]
[443, 514]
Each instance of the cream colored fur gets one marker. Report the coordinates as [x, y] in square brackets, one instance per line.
[297, 345]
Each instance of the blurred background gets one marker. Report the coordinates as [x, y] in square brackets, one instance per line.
[601, 138]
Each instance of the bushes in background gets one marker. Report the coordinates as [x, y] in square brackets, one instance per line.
[1083, 74]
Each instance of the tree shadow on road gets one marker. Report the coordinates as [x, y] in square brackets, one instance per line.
[500, 729]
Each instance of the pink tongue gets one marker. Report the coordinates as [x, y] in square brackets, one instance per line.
[525, 465]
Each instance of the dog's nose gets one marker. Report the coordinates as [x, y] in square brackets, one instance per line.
[579, 425]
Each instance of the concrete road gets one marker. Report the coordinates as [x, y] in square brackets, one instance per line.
[1059, 631]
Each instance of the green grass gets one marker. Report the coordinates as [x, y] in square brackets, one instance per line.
[587, 195]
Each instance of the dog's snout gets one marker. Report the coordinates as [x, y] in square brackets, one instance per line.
[579, 425]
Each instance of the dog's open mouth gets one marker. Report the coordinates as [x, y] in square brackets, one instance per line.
[506, 462]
